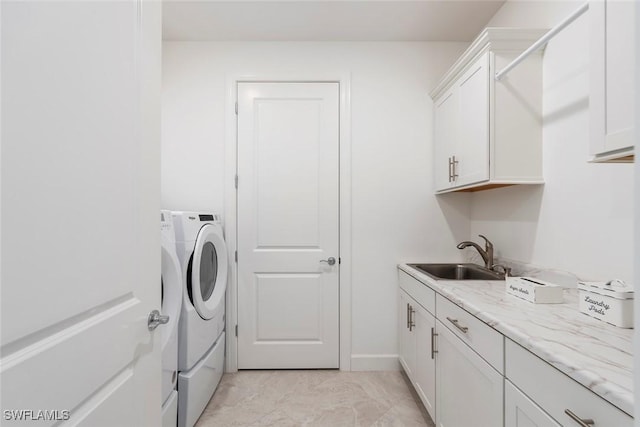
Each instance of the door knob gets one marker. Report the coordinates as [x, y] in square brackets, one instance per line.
[330, 260]
[156, 319]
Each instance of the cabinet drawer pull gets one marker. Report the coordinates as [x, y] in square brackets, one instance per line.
[411, 322]
[450, 164]
[433, 343]
[582, 422]
[463, 329]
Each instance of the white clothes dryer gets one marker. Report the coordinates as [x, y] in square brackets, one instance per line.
[203, 257]
[171, 296]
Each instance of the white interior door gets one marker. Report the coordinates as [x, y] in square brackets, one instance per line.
[288, 147]
[80, 201]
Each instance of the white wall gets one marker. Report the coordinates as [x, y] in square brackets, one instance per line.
[395, 216]
[581, 220]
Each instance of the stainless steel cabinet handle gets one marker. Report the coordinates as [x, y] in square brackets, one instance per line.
[331, 260]
[411, 322]
[582, 422]
[156, 319]
[454, 174]
[463, 329]
[433, 343]
[408, 320]
[450, 164]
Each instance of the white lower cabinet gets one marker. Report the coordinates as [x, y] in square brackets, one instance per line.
[416, 333]
[468, 390]
[468, 375]
[565, 400]
[425, 368]
[520, 411]
[407, 354]
[416, 355]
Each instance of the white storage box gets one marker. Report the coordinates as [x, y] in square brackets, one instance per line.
[611, 302]
[534, 290]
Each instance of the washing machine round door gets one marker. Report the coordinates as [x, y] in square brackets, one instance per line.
[208, 279]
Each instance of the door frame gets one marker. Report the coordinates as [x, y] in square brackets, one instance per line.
[230, 198]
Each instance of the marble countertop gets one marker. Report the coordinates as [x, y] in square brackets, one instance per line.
[593, 353]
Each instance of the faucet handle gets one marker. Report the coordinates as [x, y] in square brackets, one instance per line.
[487, 243]
[507, 270]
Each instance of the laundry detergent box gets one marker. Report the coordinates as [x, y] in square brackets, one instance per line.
[611, 302]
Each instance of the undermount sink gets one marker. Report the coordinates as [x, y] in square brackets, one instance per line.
[457, 272]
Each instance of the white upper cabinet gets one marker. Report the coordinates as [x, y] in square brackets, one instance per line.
[487, 133]
[446, 115]
[611, 101]
[472, 147]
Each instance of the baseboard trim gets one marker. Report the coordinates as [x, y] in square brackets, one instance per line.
[375, 362]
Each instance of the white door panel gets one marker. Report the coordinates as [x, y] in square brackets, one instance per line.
[301, 321]
[80, 201]
[469, 391]
[472, 148]
[520, 411]
[287, 223]
[446, 130]
[620, 57]
[425, 364]
[110, 405]
[286, 178]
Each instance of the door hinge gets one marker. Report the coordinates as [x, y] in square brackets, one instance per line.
[236, 330]
[236, 108]
[236, 181]
[236, 256]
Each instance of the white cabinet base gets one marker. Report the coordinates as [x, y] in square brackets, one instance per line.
[468, 390]
[520, 411]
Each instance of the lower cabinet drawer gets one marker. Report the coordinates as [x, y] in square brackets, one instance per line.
[557, 394]
[420, 292]
[482, 338]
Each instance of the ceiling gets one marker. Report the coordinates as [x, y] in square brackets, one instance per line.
[332, 20]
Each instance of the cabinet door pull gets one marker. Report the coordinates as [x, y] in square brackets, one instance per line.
[454, 164]
[582, 422]
[433, 343]
[411, 322]
[463, 329]
[408, 319]
[450, 172]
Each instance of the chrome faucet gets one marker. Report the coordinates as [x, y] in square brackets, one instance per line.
[486, 253]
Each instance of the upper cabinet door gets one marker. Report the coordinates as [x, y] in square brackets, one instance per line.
[471, 163]
[612, 79]
[488, 134]
[446, 127]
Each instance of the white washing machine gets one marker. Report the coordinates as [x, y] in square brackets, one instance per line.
[201, 341]
[171, 288]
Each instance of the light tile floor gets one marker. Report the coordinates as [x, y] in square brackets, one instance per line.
[314, 398]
